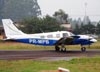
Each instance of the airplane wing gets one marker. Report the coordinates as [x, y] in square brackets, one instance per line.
[66, 40]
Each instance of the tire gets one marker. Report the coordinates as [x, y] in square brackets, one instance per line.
[57, 48]
[83, 49]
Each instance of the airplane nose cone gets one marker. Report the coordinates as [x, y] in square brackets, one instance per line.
[93, 40]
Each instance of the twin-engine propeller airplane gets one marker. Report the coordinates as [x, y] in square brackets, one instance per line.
[46, 39]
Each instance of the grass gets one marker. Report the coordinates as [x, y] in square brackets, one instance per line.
[21, 46]
[74, 65]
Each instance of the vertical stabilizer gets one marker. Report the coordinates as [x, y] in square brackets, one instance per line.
[10, 29]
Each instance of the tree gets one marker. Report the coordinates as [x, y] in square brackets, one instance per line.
[89, 28]
[77, 29]
[30, 25]
[19, 9]
[85, 29]
[1, 7]
[61, 16]
[38, 25]
[98, 28]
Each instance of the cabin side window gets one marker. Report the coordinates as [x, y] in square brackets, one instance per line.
[58, 35]
[49, 36]
[65, 34]
[42, 36]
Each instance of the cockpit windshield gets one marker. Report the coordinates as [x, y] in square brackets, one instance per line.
[65, 35]
[68, 34]
[71, 34]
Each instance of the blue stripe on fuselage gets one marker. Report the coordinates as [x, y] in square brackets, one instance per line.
[44, 42]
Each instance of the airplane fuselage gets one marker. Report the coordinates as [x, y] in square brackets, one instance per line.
[49, 39]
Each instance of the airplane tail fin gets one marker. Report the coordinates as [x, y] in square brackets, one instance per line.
[10, 29]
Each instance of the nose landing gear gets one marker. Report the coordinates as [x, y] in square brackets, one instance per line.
[83, 49]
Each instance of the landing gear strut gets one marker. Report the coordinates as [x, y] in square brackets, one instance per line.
[57, 48]
[62, 49]
[83, 49]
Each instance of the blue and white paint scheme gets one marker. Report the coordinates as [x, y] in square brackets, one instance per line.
[46, 39]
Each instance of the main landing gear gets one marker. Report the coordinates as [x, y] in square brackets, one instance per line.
[62, 49]
[57, 48]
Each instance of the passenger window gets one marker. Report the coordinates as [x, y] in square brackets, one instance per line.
[58, 35]
[65, 35]
[49, 36]
[42, 36]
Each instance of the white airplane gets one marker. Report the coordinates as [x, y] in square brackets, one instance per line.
[46, 39]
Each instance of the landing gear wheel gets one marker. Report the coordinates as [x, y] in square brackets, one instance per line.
[83, 49]
[57, 48]
[63, 49]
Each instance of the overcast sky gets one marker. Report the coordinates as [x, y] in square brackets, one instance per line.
[75, 8]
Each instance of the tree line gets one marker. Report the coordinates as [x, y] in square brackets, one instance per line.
[45, 24]
[19, 9]
[38, 25]
[49, 24]
[87, 28]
